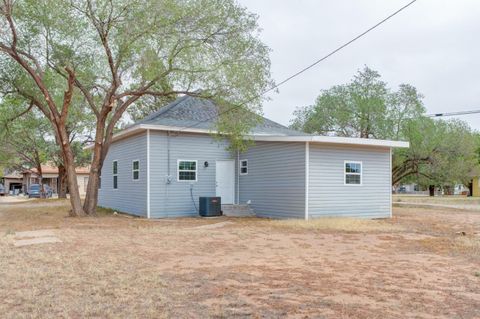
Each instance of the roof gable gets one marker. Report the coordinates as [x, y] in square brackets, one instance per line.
[188, 111]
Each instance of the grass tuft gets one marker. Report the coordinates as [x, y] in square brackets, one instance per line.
[339, 224]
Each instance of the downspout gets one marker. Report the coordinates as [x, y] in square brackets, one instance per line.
[307, 176]
[168, 177]
[390, 184]
[238, 176]
[148, 173]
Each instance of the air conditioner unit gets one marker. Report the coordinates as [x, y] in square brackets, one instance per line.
[210, 206]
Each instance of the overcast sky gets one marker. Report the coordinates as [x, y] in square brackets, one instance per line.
[433, 45]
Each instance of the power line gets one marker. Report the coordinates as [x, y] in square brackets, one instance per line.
[306, 68]
[453, 113]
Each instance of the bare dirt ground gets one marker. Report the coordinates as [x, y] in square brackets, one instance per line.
[420, 264]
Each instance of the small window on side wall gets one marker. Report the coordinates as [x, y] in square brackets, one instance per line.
[187, 170]
[353, 173]
[243, 167]
[135, 170]
[115, 174]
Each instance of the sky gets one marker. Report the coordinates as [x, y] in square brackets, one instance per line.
[433, 45]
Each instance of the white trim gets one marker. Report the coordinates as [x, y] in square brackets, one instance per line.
[216, 180]
[390, 184]
[136, 170]
[307, 177]
[238, 179]
[345, 173]
[114, 174]
[332, 140]
[265, 137]
[240, 166]
[148, 173]
[196, 170]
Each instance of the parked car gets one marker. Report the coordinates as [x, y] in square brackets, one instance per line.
[3, 192]
[35, 191]
[402, 189]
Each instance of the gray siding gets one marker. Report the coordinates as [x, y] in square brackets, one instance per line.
[174, 199]
[275, 183]
[131, 196]
[328, 196]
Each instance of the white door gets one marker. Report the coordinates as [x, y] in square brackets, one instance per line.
[225, 181]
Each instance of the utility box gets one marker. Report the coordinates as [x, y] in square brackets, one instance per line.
[210, 206]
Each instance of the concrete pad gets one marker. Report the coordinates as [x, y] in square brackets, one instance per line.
[213, 226]
[36, 241]
[34, 233]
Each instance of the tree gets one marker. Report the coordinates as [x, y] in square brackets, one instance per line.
[27, 141]
[440, 153]
[117, 54]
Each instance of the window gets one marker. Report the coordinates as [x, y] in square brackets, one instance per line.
[135, 170]
[85, 183]
[99, 181]
[115, 176]
[353, 173]
[243, 167]
[187, 170]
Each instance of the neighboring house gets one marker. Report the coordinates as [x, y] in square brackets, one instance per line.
[160, 166]
[475, 186]
[13, 182]
[50, 178]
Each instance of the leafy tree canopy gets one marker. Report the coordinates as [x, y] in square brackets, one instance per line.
[116, 56]
[441, 152]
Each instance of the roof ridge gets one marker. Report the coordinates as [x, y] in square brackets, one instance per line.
[164, 109]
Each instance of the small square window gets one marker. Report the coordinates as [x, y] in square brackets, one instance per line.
[353, 173]
[187, 170]
[243, 167]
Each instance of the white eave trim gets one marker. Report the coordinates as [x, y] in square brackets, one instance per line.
[267, 138]
[332, 140]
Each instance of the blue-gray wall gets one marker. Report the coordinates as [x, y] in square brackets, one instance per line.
[328, 196]
[174, 199]
[275, 183]
[131, 196]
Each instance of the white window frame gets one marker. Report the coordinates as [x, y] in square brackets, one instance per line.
[113, 176]
[178, 170]
[240, 166]
[135, 170]
[345, 173]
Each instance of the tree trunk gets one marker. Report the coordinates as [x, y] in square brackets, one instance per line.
[62, 182]
[99, 151]
[431, 190]
[69, 163]
[91, 198]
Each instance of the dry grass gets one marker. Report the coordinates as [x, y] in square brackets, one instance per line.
[115, 267]
[447, 199]
[339, 224]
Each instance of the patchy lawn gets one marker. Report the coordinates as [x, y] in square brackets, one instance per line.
[420, 264]
[447, 199]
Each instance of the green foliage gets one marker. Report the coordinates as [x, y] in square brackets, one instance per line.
[27, 139]
[441, 152]
[174, 47]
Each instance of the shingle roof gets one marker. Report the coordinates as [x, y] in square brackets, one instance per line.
[201, 113]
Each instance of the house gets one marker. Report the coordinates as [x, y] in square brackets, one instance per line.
[475, 186]
[13, 182]
[160, 166]
[50, 177]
